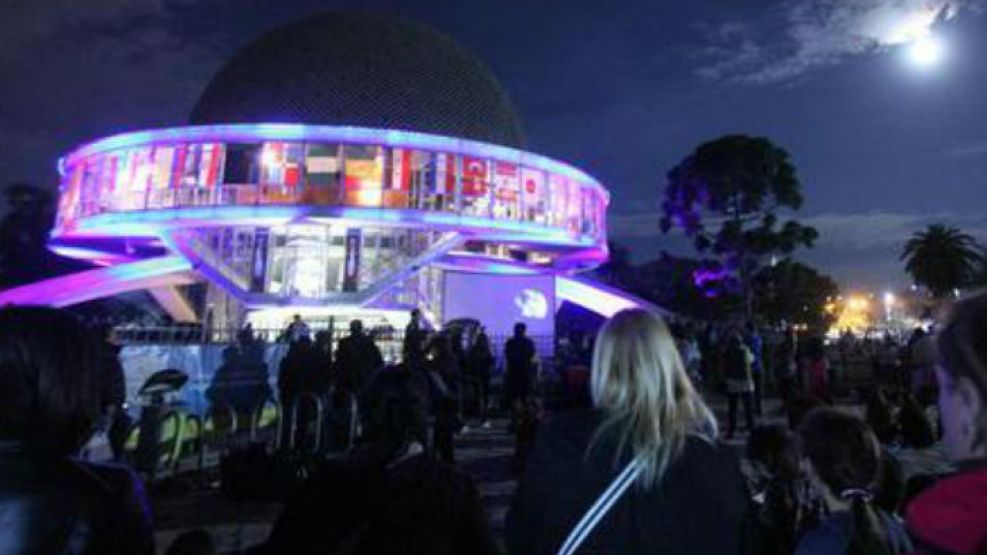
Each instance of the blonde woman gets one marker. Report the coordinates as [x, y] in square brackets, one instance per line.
[642, 472]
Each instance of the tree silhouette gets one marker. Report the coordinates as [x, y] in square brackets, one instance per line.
[24, 233]
[726, 197]
[941, 258]
[617, 265]
[793, 292]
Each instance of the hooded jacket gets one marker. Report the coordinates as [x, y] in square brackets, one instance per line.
[951, 517]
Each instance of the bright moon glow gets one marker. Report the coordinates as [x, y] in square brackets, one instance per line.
[925, 52]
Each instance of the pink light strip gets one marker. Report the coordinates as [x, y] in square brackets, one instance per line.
[101, 282]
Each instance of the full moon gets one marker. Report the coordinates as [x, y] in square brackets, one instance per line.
[925, 52]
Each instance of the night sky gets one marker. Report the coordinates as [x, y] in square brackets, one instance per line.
[623, 90]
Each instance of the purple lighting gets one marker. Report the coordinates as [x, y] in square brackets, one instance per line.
[101, 282]
[173, 206]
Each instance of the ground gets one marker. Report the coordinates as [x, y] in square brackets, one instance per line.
[485, 454]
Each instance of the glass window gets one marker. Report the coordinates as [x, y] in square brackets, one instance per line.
[69, 201]
[506, 192]
[239, 173]
[133, 178]
[475, 193]
[160, 192]
[323, 178]
[558, 195]
[364, 175]
[280, 172]
[106, 176]
[436, 190]
[89, 191]
[211, 161]
[588, 219]
[534, 196]
[574, 205]
[240, 165]
[398, 173]
[196, 174]
[185, 172]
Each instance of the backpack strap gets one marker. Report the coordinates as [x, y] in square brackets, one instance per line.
[600, 508]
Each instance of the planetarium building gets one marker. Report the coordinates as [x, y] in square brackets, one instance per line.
[350, 163]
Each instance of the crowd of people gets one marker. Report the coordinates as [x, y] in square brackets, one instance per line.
[639, 468]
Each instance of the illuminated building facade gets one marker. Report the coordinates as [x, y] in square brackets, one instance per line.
[313, 191]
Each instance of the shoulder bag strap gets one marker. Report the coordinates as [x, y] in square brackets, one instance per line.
[603, 504]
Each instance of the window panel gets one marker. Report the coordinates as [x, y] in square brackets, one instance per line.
[475, 193]
[399, 173]
[439, 181]
[364, 167]
[535, 196]
[507, 191]
[280, 172]
[322, 175]
[574, 206]
[160, 193]
[559, 196]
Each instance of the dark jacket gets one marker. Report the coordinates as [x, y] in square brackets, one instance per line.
[58, 506]
[698, 507]
[113, 385]
[519, 354]
[951, 516]
[480, 362]
[357, 358]
[413, 507]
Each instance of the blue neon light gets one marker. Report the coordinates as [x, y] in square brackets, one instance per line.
[151, 223]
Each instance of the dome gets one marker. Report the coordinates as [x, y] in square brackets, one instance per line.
[363, 69]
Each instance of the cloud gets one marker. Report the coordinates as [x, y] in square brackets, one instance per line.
[846, 232]
[967, 150]
[878, 230]
[633, 224]
[805, 34]
[91, 68]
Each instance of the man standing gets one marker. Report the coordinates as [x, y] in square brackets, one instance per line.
[756, 346]
[519, 353]
[357, 358]
[297, 329]
[414, 341]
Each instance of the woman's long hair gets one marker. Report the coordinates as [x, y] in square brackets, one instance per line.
[846, 457]
[640, 384]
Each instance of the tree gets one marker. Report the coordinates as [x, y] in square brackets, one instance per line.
[793, 292]
[941, 258]
[24, 233]
[617, 265]
[671, 282]
[24, 254]
[726, 197]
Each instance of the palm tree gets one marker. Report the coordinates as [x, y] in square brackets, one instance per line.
[941, 258]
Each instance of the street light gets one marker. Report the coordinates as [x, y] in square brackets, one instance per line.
[888, 305]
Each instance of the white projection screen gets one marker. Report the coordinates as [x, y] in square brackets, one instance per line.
[500, 301]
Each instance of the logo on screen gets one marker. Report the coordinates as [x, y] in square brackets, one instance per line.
[532, 304]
